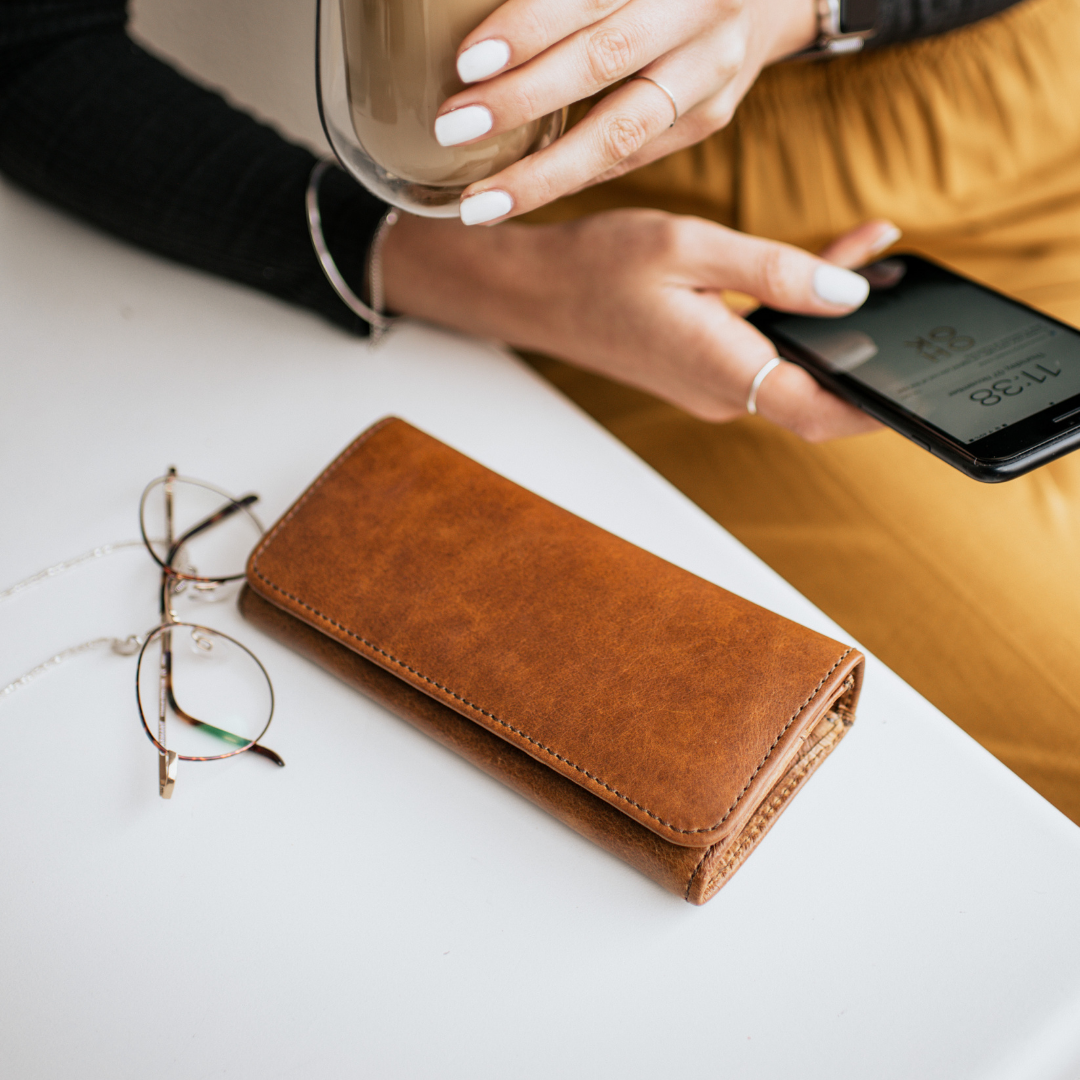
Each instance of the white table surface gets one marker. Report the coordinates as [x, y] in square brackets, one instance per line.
[914, 914]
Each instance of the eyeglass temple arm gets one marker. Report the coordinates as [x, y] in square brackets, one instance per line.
[221, 733]
[266, 752]
[209, 522]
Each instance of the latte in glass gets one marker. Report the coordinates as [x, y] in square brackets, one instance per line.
[400, 59]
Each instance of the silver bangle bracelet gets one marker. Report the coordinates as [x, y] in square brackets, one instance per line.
[373, 315]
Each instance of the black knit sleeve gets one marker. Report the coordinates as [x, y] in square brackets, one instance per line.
[95, 124]
[905, 20]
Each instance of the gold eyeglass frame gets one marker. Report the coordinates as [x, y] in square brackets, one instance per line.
[173, 581]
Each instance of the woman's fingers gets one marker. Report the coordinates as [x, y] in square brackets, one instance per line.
[532, 58]
[720, 354]
[791, 398]
[618, 126]
[790, 279]
[693, 126]
[574, 69]
[522, 29]
[778, 275]
[863, 244]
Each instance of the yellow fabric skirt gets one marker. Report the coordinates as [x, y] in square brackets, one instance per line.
[970, 142]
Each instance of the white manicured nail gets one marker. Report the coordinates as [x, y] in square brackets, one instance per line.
[487, 206]
[482, 60]
[461, 125]
[886, 240]
[835, 285]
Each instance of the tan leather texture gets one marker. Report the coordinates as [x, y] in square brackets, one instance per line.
[654, 712]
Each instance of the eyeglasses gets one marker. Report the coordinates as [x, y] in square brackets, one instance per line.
[202, 695]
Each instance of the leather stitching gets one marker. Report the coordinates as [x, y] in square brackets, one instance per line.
[332, 468]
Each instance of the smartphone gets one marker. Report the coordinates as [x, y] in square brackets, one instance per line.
[986, 383]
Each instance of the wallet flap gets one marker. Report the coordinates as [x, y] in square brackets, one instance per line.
[665, 695]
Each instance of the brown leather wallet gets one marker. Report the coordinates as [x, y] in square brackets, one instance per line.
[664, 718]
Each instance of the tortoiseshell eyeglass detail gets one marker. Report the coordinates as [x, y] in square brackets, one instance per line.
[202, 695]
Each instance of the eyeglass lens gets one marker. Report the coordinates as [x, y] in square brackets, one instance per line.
[202, 694]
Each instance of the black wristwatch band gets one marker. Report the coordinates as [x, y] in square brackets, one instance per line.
[859, 16]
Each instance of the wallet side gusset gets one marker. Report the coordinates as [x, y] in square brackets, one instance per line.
[723, 859]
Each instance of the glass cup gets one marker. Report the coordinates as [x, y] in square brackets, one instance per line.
[383, 69]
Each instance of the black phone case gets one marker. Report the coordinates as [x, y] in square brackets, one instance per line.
[932, 439]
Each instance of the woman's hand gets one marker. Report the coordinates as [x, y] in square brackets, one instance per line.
[635, 295]
[532, 57]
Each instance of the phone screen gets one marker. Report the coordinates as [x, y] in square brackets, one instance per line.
[959, 356]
